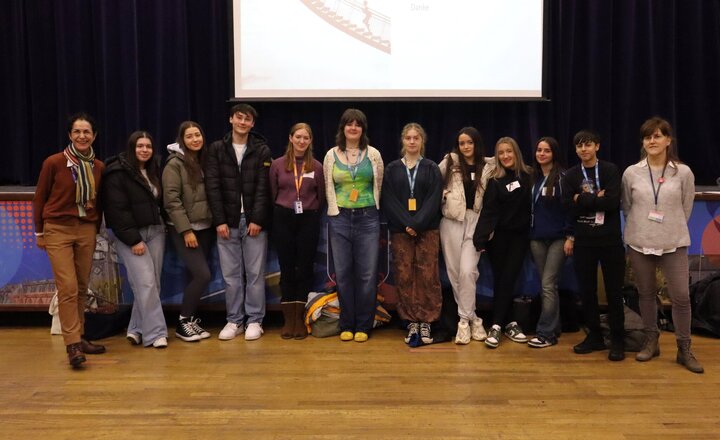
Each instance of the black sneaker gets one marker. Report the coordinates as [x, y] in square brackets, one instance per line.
[186, 331]
[425, 334]
[590, 344]
[195, 322]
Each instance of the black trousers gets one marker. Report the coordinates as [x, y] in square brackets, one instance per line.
[612, 263]
[507, 252]
[197, 262]
[295, 237]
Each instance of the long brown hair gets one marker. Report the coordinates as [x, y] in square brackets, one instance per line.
[193, 162]
[290, 154]
[478, 158]
[557, 163]
[151, 166]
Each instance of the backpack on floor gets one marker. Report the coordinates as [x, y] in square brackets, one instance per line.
[705, 301]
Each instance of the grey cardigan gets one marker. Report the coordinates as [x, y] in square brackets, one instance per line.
[675, 201]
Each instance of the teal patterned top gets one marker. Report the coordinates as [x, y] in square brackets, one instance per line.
[344, 183]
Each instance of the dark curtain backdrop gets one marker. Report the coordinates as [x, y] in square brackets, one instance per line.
[151, 64]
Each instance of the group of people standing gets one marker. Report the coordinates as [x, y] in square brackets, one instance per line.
[232, 193]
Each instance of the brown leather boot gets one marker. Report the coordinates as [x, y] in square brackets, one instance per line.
[651, 348]
[300, 331]
[90, 348]
[686, 357]
[75, 355]
[289, 316]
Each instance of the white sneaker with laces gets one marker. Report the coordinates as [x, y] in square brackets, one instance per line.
[134, 338]
[478, 331]
[253, 331]
[462, 336]
[230, 331]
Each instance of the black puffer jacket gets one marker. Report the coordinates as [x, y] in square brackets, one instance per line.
[225, 184]
[128, 201]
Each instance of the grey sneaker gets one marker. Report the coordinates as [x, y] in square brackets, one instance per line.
[413, 329]
[425, 334]
[515, 333]
[493, 338]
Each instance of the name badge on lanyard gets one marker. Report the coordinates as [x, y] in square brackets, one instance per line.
[298, 184]
[412, 201]
[656, 215]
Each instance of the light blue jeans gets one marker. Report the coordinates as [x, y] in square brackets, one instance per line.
[354, 239]
[549, 257]
[143, 272]
[242, 262]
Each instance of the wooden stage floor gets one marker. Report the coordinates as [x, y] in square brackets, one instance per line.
[324, 388]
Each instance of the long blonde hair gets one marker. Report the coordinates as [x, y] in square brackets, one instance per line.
[519, 166]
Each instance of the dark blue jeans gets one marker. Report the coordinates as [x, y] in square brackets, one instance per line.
[354, 239]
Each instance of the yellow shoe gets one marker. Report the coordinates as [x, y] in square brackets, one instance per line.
[361, 337]
[347, 336]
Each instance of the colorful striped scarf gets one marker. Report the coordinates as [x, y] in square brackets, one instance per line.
[85, 181]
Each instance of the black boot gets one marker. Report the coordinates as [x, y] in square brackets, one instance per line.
[593, 342]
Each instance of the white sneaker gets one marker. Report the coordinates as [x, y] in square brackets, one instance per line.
[134, 338]
[253, 331]
[463, 333]
[230, 331]
[160, 342]
[478, 331]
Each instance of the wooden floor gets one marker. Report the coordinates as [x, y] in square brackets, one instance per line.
[324, 388]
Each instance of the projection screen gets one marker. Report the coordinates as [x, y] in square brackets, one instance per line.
[299, 49]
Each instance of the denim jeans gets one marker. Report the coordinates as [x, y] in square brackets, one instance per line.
[549, 257]
[242, 261]
[143, 272]
[354, 239]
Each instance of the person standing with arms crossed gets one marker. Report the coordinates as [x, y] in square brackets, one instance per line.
[593, 198]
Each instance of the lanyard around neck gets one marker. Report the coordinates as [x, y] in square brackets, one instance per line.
[298, 181]
[661, 180]
[411, 178]
[597, 174]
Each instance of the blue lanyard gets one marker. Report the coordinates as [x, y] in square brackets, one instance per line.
[354, 166]
[411, 178]
[661, 180]
[597, 174]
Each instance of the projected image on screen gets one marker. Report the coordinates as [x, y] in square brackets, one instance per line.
[387, 48]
